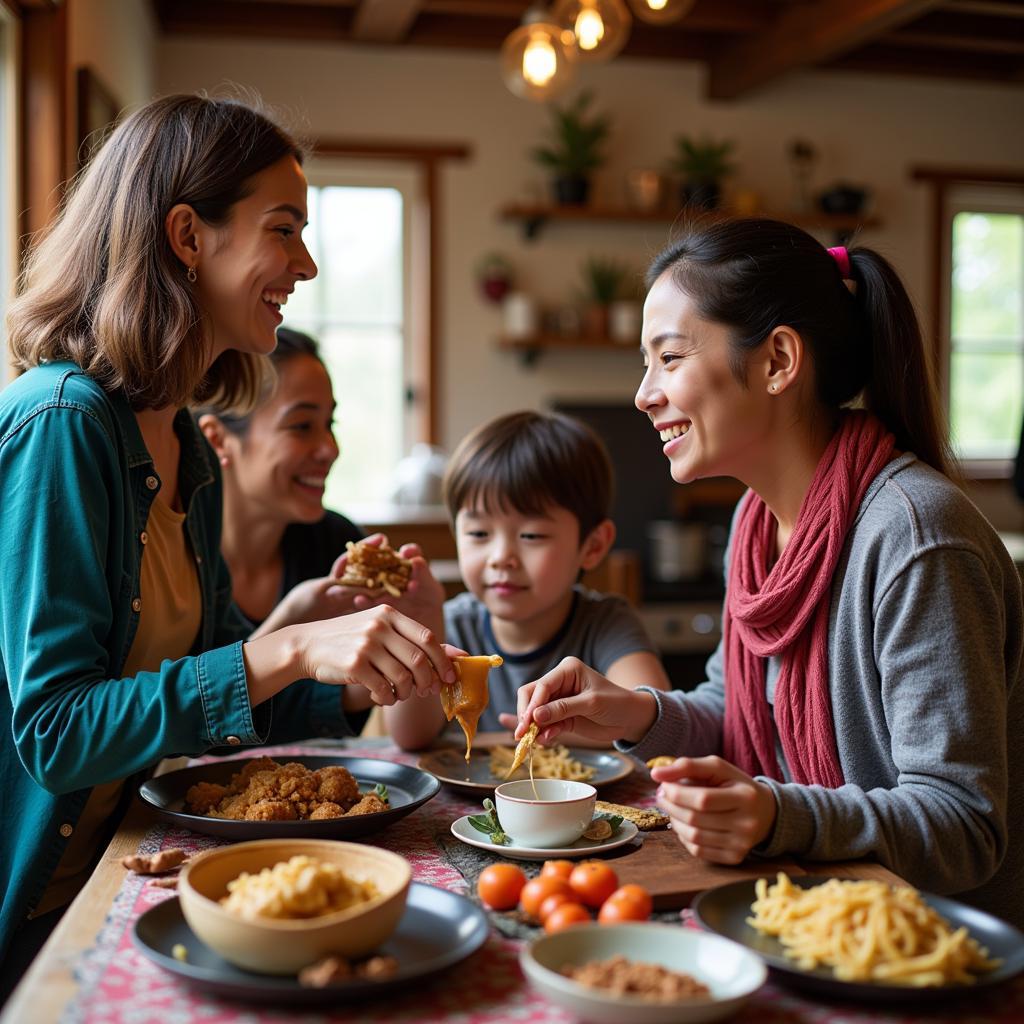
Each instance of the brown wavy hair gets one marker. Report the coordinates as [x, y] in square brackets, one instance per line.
[103, 287]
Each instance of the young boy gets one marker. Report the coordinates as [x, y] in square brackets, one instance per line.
[529, 496]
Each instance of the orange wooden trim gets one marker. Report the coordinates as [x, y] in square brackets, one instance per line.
[424, 152]
[948, 175]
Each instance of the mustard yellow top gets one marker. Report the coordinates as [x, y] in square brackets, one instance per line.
[168, 624]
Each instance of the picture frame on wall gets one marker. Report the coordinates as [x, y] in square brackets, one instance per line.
[96, 114]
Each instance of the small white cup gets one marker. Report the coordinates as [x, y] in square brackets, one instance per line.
[558, 818]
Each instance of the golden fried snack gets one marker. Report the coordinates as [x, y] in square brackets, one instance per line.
[661, 761]
[264, 790]
[155, 863]
[645, 819]
[376, 567]
[524, 749]
[466, 698]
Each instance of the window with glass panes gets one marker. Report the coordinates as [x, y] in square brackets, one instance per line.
[986, 328]
[358, 310]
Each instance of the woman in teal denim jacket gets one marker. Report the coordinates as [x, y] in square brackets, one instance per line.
[159, 285]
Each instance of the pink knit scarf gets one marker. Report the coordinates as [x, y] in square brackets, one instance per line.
[785, 612]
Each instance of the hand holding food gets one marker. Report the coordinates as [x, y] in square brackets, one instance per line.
[466, 697]
[574, 696]
[376, 567]
[718, 812]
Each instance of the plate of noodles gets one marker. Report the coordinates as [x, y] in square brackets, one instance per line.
[487, 768]
[864, 939]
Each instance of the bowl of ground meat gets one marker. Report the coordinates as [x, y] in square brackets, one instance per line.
[642, 973]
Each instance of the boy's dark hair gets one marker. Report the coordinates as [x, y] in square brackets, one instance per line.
[754, 275]
[528, 462]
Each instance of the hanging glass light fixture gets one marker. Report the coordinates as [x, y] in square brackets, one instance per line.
[601, 27]
[660, 12]
[537, 59]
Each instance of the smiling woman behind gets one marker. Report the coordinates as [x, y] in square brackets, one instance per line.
[159, 285]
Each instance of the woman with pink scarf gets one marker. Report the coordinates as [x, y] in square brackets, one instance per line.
[866, 698]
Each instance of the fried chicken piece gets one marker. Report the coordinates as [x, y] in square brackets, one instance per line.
[271, 810]
[240, 780]
[369, 804]
[155, 863]
[327, 809]
[204, 795]
[336, 784]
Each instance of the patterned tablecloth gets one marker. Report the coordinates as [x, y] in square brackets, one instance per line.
[120, 986]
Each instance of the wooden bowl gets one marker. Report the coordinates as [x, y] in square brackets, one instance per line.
[273, 946]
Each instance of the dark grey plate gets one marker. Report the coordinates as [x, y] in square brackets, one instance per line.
[726, 908]
[407, 789]
[437, 930]
[449, 765]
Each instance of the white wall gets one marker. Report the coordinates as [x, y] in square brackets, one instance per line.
[117, 39]
[868, 129]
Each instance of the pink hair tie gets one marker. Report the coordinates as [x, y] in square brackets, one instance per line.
[842, 258]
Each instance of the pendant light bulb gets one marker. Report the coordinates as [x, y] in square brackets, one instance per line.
[660, 12]
[600, 27]
[536, 62]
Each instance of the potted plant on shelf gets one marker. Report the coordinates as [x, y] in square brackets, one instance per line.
[603, 280]
[702, 164]
[575, 149]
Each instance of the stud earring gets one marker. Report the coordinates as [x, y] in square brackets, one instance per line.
[225, 460]
[773, 388]
[192, 275]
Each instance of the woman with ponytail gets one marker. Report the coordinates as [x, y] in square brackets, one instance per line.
[866, 698]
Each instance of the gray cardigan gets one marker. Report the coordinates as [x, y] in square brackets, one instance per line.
[925, 663]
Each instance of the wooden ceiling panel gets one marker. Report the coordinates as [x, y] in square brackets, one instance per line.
[746, 44]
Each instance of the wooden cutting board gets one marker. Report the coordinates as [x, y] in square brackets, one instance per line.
[674, 877]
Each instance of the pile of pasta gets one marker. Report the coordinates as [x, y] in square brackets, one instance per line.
[867, 931]
[548, 763]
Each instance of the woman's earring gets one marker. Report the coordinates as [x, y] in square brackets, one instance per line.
[225, 460]
[773, 388]
[192, 275]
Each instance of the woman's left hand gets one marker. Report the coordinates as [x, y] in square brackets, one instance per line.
[718, 812]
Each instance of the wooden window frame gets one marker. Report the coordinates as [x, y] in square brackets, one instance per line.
[425, 340]
[941, 179]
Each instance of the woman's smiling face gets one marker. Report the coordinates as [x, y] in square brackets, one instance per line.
[247, 268]
[710, 423]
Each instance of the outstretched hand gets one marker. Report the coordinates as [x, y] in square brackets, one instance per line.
[718, 812]
[573, 696]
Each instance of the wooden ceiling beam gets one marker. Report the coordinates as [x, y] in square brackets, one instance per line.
[384, 21]
[990, 8]
[934, 41]
[804, 36]
[947, 64]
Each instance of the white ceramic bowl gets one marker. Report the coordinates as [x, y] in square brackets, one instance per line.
[732, 972]
[273, 946]
[558, 818]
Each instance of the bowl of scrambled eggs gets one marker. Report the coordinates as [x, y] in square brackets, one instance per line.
[278, 905]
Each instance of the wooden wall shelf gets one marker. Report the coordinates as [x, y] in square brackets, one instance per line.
[533, 217]
[529, 349]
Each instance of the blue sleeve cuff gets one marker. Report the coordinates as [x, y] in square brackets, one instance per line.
[225, 695]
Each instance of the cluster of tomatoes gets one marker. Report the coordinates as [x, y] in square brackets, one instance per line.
[564, 893]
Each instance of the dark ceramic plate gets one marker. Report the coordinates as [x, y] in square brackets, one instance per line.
[725, 910]
[437, 930]
[449, 765]
[407, 789]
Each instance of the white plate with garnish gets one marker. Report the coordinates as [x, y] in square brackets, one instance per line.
[464, 831]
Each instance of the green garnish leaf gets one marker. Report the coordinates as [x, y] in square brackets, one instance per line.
[382, 792]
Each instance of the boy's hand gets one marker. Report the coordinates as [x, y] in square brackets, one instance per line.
[718, 812]
[573, 696]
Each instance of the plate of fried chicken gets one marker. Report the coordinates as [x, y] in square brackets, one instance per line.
[313, 797]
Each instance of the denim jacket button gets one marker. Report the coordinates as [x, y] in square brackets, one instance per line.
[233, 741]
[137, 604]
[66, 830]
[152, 483]
[144, 537]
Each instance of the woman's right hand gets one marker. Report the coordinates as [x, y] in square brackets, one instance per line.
[573, 696]
[390, 654]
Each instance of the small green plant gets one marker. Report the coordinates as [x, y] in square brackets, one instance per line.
[604, 279]
[577, 139]
[702, 161]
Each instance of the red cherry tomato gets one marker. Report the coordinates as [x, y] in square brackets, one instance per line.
[499, 886]
[564, 916]
[593, 882]
[628, 903]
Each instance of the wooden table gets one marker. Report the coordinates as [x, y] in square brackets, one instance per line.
[53, 989]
